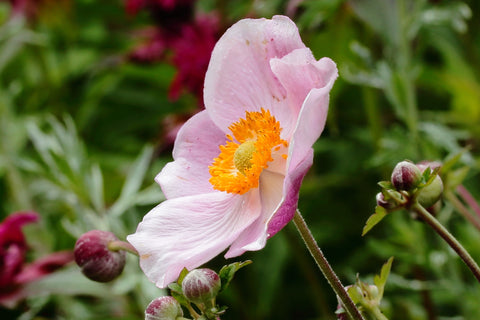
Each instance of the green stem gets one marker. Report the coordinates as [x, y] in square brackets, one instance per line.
[121, 245]
[378, 314]
[325, 267]
[404, 69]
[449, 238]
[373, 116]
[192, 311]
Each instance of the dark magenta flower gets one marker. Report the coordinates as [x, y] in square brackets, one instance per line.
[190, 46]
[191, 55]
[14, 271]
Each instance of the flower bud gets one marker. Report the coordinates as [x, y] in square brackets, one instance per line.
[163, 308]
[201, 285]
[430, 194]
[406, 176]
[382, 202]
[97, 262]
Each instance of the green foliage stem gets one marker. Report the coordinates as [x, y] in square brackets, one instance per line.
[448, 237]
[325, 267]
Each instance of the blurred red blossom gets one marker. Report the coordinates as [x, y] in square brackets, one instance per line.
[14, 271]
[179, 37]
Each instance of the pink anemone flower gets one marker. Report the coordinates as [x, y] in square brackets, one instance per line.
[238, 165]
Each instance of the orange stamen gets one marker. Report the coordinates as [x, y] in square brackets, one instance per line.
[241, 160]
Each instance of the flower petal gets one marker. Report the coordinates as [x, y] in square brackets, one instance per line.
[310, 123]
[291, 189]
[255, 236]
[299, 73]
[189, 231]
[239, 77]
[196, 146]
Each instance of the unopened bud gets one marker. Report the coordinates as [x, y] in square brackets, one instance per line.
[382, 202]
[97, 262]
[163, 308]
[201, 285]
[430, 194]
[406, 176]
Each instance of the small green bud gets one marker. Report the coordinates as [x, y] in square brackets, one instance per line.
[406, 176]
[201, 286]
[163, 308]
[430, 194]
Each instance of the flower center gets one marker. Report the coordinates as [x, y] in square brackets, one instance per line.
[243, 156]
[247, 152]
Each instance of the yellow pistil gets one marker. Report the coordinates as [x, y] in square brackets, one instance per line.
[241, 160]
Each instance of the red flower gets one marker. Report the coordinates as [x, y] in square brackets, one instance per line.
[13, 271]
[191, 45]
[191, 54]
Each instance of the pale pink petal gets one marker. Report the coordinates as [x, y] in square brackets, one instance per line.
[299, 73]
[239, 77]
[196, 146]
[254, 237]
[312, 116]
[291, 189]
[189, 231]
[310, 124]
[279, 163]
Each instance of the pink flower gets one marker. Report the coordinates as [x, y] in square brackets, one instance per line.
[14, 272]
[266, 100]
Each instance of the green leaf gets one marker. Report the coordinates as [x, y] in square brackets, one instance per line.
[182, 275]
[428, 176]
[354, 294]
[133, 183]
[175, 287]
[375, 218]
[456, 177]
[178, 294]
[228, 272]
[381, 280]
[386, 185]
[452, 160]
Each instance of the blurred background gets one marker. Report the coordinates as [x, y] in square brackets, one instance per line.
[93, 92]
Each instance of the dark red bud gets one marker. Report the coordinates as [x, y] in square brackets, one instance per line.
[97, 262]
[406, 176]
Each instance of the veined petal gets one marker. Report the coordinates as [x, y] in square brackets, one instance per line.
[189, 231]
[291, 188]
[310, 122]
[239, 76]
[298, 73]
[195, 148]
[255, 236]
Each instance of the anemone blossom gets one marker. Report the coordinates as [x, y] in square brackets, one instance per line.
[238, 165]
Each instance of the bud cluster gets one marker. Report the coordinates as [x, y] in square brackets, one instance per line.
[415, 181]
[199, 287]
